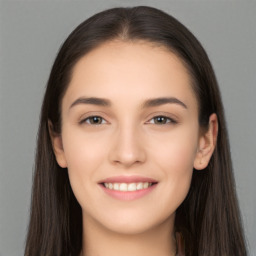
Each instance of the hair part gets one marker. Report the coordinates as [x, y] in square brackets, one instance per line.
[209, 218]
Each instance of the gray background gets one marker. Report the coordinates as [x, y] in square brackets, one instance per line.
[30, 35]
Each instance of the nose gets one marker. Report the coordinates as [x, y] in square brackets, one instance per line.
[127, 147]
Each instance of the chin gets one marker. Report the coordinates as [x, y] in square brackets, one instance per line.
[135, 222]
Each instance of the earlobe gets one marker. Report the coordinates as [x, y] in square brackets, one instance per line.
[57, 146]
[207, 144]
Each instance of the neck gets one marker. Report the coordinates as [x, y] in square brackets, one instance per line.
[97, 240]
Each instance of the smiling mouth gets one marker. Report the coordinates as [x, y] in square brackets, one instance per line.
[128, 188]
[135, 186]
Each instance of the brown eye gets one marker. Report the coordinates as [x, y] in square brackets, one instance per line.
[160, 120]
[94, 120]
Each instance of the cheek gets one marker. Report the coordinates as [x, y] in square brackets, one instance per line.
[178, 150]
[84, 157]
[175, 158]
[83, 152]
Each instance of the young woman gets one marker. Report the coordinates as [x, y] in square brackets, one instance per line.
[133, 155]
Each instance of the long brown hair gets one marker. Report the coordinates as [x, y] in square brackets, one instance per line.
[209, 218]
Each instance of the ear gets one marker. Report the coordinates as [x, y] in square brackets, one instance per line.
[207, 143]
[57, 146]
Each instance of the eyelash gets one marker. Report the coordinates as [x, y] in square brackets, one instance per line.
[168, 120]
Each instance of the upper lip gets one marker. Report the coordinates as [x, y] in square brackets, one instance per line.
[127, 179]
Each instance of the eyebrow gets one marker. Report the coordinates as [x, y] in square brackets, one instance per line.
[148, 103]
[92, 101]
[161, 101]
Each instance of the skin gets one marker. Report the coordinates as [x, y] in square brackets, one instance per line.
[129, 141]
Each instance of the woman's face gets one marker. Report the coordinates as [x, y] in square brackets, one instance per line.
[129, 117]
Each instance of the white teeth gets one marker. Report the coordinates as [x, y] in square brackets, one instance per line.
[139, 186]
[116, 186]
[145, 185]
[123, 187]
[132, 187]
[128, 187]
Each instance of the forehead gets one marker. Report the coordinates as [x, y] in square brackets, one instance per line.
[130, 70]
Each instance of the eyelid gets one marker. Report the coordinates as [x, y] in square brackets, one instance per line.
[84, 119]
[172, 119]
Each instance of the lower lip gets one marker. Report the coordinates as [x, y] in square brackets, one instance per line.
[128, 195]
